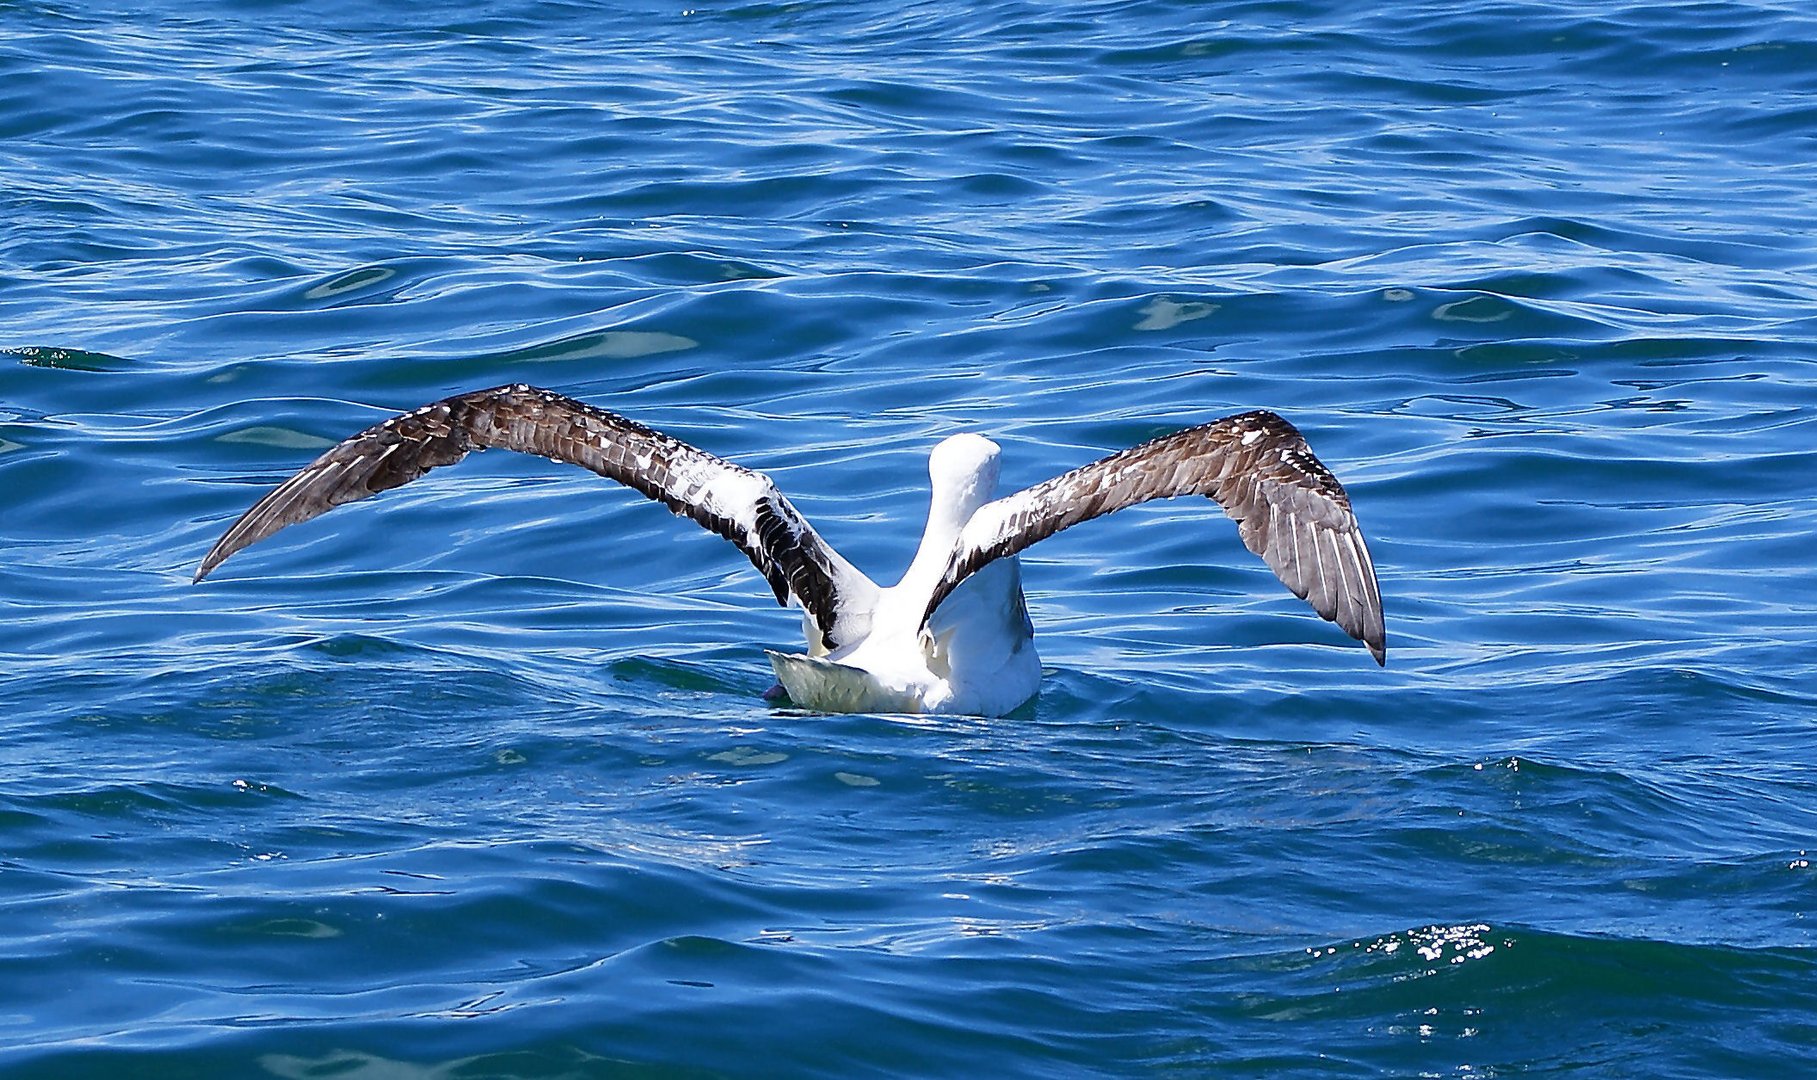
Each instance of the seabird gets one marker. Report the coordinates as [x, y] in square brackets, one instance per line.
[953, 636]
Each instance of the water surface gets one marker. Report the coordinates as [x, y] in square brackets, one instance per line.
[475, 779]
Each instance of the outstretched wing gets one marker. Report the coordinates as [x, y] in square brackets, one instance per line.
[741, 505]
[1288, 507]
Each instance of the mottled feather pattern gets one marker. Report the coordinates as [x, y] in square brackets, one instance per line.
[1288, 507]
[738, 504]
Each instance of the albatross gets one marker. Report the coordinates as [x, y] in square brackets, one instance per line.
[953, 635]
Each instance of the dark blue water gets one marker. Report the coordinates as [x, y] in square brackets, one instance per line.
[475, 779]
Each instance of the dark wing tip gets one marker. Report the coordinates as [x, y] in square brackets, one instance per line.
[232, 540]
[215, 557]
[385, 455]
[1292, 510]
[1375, 637]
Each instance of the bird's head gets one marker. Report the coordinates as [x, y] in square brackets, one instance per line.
[963, 471]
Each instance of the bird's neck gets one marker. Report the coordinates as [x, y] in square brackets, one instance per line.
[948, 511]
[962, 476]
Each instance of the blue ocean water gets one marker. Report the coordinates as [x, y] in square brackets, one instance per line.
[475, 778]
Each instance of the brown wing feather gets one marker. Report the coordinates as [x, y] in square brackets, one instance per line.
[1288, 507]
[738, 504]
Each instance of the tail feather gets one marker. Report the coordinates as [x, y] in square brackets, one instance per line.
[825, 686]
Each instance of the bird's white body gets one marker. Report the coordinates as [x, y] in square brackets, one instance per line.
[976, 654]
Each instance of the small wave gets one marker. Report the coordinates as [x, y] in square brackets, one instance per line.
[66, 359]
[1481, 970]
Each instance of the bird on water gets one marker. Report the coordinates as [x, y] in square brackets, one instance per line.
[953, 635]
